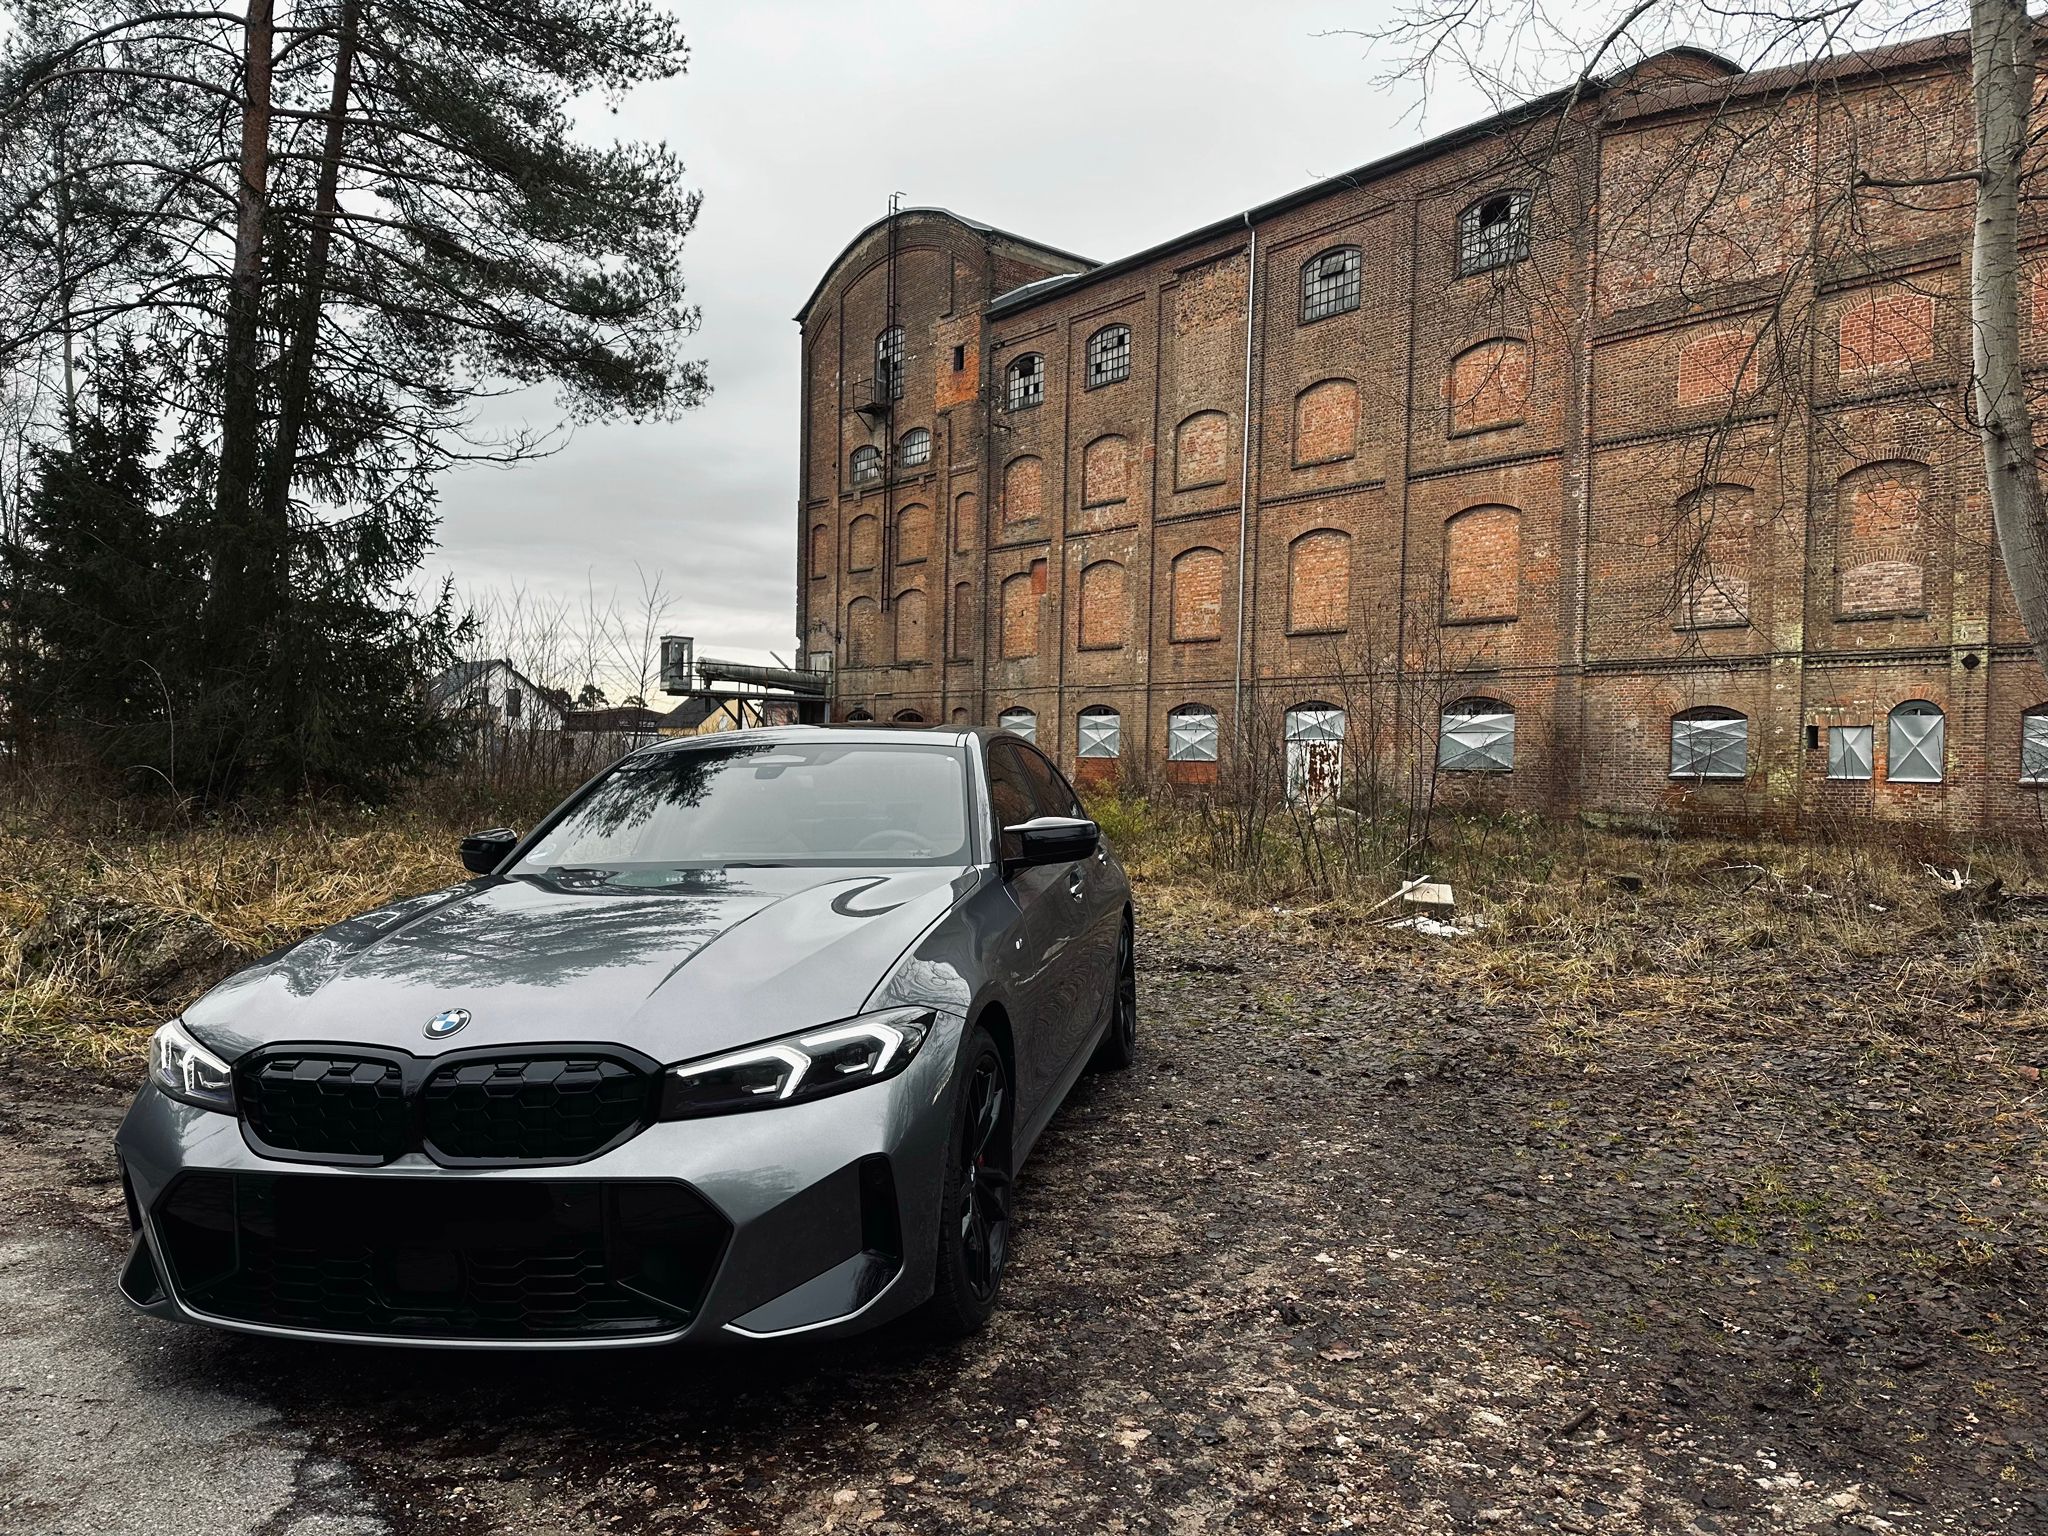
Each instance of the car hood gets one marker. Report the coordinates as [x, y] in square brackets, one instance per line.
[720, 960]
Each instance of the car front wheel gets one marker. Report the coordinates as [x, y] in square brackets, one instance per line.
[974, 1228]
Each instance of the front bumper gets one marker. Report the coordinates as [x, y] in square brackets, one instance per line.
[817, 1219]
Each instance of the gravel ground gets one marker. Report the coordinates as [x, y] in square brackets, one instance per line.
[1339, 1253]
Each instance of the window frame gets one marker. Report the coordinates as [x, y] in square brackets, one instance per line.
[1019, 712]
[1113, 736]
[1714, 714]
[889, 361]
[867, 453]
[1100, 349]
[1348, 286]
[1841, 755]
[1467, 709]
[1474, 249]
[923, 436]
[1194, 712]
[1915, 709]
[1024, 390]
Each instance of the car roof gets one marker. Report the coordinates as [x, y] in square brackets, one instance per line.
[876, 731]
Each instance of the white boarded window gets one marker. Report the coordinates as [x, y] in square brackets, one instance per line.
[2034, 745]
[1913, 754]
[1191, 734]
[1476, 736]
[1102, 732]
[1709, 744]
[1315, 751]
[1849, 748]
[1019, 722]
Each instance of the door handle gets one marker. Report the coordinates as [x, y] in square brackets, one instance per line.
[1077, 887]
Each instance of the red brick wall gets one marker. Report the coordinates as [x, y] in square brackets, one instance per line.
[1196, 580]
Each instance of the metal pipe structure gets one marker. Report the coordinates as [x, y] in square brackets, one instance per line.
[809, 685]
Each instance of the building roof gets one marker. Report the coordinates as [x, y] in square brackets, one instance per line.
[1035, 247]
[1347, 181]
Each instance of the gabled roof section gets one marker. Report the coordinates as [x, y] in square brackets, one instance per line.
[1050, 254]
[1350, 181]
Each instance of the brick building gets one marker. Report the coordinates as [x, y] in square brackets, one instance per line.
[1611, 452]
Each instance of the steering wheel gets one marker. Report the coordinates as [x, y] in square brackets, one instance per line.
[890, 838]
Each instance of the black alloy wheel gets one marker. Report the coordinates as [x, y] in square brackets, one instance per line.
[974, 1234]
[1119, 1046]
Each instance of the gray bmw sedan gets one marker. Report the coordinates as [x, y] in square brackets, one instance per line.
[746, 1040]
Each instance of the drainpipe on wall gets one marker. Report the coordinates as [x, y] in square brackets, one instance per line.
[1244, 482]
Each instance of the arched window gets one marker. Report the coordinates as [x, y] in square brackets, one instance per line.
[914, 448]
[1103, 621]
[1488, 385]
[867, 465]
[889, 363]
[1315, 750]
[1319, 582]
[1709, 744]
[863, 542]
[1201, 451]
[1493, 232]
[913, 533]
[907, 717]
[1476, 736]
[1019, 616]
[1191, 734]
[1109, 356]
[1482, 565]
[1023, 489]
[1913, 748]
[1101, 732]
[1106, 471]
[857, 715]
[1330, 283]
[910, 630]
[1019, 721]
[2034, 745]
[863, 622]
[1326, 423]
[1026, 382]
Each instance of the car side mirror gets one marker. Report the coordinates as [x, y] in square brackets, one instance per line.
[483, 852]
[1051, 840]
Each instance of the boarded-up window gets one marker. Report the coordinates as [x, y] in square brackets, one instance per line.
[2034, 745]
[966, 520]
[913, 533]
[1914, 752]
[1024, 489]
[1326, 422]
[1103, 614]
[1482, 565]
[1315, 751]
[1191, 734]
[1201, 451]
[1196, 580]
[863, 632]
[1489, 385]
[1715, 525]
[863, 543]
[1849, 752]
[1319, 582]
[1019, 722]
[1020, 617]
[1881, 539]
[821, 550]
[1106, 471]
[1709, 744]
[1714, 368]
[1101, 732]
[910, 630]
[1887, 333]
[1476, 736]
[963, 621]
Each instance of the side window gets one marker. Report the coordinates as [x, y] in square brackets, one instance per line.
[1009, 794]
[1051, 793]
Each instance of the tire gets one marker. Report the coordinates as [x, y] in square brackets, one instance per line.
[974, 1214]
[1119, 1046]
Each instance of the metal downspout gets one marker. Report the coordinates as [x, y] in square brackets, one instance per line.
[1244, 482]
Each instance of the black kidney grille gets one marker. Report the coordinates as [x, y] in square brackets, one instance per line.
[535, 1109]
[327, 1105]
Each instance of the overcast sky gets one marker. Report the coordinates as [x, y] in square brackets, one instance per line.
[1096, 127]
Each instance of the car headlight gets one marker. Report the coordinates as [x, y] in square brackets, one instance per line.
[186, 1070]
[797, 1068]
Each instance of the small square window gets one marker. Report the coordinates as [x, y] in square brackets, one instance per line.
[1493, 232]
[1849, 751]
[1330, 283]
[1027, 382]
[960, 359]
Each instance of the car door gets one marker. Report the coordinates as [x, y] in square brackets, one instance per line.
[1028, 954]
[1080, 989]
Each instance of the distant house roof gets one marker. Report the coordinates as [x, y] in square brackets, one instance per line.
[455, 683]
[689, 714]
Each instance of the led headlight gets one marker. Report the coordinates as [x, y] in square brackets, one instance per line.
[797, 1068]
[187, 1071]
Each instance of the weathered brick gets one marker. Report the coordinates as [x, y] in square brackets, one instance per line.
[1482, 564]
[1105, 619]
[1106, 471]
[1326, 422]
[1489, 385]
[1319, 582]
[1196, 583]
[1201, 450]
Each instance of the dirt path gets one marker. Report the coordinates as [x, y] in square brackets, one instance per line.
[1339, 1254]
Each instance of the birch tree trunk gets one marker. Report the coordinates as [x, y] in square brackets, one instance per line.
[2002, 75]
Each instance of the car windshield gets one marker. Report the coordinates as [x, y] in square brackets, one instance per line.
[763, 803]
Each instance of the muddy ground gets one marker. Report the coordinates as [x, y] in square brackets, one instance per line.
[1342, 1252]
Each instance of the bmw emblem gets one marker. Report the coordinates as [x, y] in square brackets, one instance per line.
[446, 1023]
